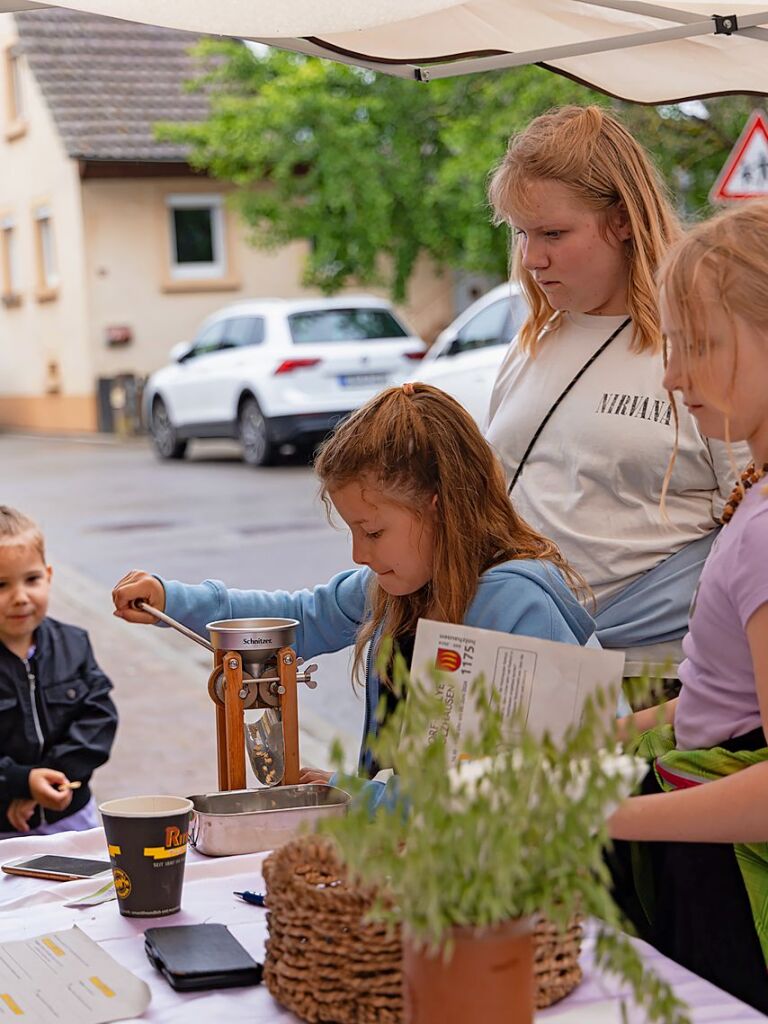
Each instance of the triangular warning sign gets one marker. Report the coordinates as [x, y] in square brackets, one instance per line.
[745, 174]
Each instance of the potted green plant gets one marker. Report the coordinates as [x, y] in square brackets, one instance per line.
[465, 858]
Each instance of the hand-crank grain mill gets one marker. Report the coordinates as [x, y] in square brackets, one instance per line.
[254, 687]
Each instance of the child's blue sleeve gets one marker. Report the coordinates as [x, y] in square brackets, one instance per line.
[374, 794]
[329, 616]
[523, 608]
[529, 597]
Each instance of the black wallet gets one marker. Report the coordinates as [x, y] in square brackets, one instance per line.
[198, 956]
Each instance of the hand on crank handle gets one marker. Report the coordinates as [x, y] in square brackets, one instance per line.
[310, 775]
[138, 585]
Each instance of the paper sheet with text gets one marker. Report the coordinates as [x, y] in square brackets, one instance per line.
[63, 977]
[547, 682]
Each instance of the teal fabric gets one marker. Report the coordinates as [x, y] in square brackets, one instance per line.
[676, 769]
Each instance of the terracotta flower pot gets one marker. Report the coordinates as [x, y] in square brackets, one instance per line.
[489, 978]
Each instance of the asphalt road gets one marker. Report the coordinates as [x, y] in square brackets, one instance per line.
[108, 506]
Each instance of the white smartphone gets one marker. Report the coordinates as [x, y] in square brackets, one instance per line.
[59, 869]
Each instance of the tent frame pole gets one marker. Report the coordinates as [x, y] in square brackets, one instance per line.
[689, 25]
[549, 54]
[673, 14]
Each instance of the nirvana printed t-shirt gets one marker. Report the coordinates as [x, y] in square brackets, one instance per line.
[593, 480]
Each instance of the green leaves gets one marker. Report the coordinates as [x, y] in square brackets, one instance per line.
[371, 171]
[518, 830]
[690, 144]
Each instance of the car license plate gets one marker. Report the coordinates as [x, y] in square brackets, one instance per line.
[362, 380]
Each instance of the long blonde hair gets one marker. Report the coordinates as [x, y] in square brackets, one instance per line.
[591, 153]
[414, 442]
[723, 261]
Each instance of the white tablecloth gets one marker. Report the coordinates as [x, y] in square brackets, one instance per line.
[30, 906]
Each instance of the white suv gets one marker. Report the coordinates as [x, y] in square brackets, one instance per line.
[276, 371]
[466, 356]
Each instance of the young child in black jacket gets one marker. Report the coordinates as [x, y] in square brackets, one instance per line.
[57, 720]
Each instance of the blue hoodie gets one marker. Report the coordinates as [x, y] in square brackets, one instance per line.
[528, 597]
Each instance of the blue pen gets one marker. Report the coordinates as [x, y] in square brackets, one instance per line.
[258, 899]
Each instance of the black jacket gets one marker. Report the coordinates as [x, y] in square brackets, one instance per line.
[73, 714]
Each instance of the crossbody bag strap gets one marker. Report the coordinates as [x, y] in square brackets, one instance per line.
[560, 398]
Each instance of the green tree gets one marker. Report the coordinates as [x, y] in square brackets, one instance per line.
[478, 115]
[370, 169]
[373, 170]
[690, 143]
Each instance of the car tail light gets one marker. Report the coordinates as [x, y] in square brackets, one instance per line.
[289, 365]
[414, 355]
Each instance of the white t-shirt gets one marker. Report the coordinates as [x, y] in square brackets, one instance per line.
[593, 480]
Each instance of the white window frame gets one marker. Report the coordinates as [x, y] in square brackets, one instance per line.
[10, 256]
[49, 266]
[217, 268]
[15, 85]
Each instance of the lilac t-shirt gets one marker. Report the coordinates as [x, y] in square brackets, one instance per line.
[718, 700]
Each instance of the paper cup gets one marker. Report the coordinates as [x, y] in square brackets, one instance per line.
[147, 845]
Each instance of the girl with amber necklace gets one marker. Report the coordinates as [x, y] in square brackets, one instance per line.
[696, 885]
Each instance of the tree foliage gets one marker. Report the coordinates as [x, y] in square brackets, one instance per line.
[373, 170]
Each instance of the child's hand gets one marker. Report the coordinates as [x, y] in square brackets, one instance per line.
[42, 786]
[307, 775]
[19, 812]
[137, 585]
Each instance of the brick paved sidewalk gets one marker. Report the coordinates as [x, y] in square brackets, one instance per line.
[166, 740]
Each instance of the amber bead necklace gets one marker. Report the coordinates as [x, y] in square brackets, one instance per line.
[749, 477]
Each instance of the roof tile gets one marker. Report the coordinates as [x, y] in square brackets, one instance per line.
[107, 81]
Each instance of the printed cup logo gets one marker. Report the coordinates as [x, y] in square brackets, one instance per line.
[174, 837]
[447, 660]
[175, 845]
[122, 884]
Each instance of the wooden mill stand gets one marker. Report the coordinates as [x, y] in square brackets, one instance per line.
[230, 708]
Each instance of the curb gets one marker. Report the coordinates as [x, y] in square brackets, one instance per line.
[95, 438]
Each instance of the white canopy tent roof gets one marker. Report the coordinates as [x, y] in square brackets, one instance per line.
[641, 50]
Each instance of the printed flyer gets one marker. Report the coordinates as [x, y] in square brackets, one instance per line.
[547, 682]
[66, 976]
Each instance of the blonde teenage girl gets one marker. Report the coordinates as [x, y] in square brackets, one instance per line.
[697, 887]
[579, 413]
[425, 501]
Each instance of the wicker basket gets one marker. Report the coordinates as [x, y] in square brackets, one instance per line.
[329, 966]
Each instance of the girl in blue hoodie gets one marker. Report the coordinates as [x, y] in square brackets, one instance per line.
[436, 537]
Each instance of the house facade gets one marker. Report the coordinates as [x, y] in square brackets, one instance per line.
[111, 248]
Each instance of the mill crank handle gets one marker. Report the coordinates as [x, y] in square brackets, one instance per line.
[184, 630]
[189, 633]
[302, 677]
